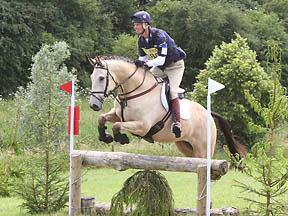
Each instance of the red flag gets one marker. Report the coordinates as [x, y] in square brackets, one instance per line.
[67, 87]
[76, 120]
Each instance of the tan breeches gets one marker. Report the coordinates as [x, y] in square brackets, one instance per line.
[174, 72]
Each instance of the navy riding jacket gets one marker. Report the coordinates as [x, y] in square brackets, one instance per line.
[160, 44]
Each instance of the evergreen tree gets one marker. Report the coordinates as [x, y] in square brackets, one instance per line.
[266, 163]
[43, 187]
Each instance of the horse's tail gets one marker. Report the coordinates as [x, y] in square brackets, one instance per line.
[234, 146]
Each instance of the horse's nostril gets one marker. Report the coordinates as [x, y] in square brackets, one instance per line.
[94, 107]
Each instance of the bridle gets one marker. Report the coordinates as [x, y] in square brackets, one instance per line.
[107, 83]
[120, 98]
[123, 98]
[117, 85]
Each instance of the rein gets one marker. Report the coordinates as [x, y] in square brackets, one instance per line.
[142, 93]
[121, 99]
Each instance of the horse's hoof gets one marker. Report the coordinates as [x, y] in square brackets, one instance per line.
[107, 139]
[121, 138]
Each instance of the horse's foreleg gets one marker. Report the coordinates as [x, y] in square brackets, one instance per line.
[134, 127]
[110, 116]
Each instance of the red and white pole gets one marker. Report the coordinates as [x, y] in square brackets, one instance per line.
[73, 126]
[71, 140]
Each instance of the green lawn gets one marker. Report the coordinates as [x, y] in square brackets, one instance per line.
[11, 207]
[103, 183]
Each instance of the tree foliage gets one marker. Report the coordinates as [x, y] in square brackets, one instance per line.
[266, 164]
[21, 25]
[25, 25]
[10, 171]
[99, 27]
[43, 187]
[126, 44]
[119, 12]
[43, 103]
[279, 7]
[267, 28]
[198, 26]
[146, 193]
[236, 66]
[90, 27]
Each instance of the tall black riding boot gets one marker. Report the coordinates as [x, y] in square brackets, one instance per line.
[176, 126]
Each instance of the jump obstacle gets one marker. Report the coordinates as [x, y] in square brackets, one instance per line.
[122, 161]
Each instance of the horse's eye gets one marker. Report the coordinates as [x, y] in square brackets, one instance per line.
[101, 78]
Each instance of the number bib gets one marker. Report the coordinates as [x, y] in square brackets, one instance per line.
[151, 52]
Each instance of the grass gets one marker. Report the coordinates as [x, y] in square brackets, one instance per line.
[103, 183]
[11, 207]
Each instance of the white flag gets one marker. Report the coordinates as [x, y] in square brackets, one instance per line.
[214, 86]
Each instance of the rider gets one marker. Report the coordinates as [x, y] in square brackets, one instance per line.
[158, 50]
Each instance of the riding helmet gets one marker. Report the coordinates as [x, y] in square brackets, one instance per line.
[141, 17]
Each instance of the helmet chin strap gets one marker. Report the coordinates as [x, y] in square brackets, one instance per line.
[144, 28]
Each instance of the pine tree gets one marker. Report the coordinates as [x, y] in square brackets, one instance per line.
[266, 163]
[43, 123]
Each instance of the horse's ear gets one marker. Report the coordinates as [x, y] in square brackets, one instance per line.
[99, 61]
[92, 61]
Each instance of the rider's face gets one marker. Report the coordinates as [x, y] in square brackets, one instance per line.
[138, 27]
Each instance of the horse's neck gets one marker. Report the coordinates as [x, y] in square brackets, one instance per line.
[142, 80]
[124, 71]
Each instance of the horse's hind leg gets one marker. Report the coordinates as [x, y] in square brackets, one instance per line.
[185, 148]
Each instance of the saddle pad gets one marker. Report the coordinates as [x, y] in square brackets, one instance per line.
[184, 105]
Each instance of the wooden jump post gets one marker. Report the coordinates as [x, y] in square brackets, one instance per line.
[123, 161]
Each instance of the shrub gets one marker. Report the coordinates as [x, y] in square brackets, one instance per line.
[10, 170]
[235, 66]
[146, 193]
[126, 45]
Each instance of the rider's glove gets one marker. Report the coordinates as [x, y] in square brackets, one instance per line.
[139, 63]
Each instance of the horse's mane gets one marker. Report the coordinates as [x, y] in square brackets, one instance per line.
[129, 60]
[125, 59]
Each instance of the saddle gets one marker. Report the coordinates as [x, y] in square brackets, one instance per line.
[165, 98]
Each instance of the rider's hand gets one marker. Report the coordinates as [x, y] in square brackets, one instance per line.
[139, 63]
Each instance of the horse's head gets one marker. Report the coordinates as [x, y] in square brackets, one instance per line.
[102, 82]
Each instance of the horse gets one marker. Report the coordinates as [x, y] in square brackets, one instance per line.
[137, 108]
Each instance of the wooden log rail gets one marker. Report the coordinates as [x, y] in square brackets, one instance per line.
[123, 161]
